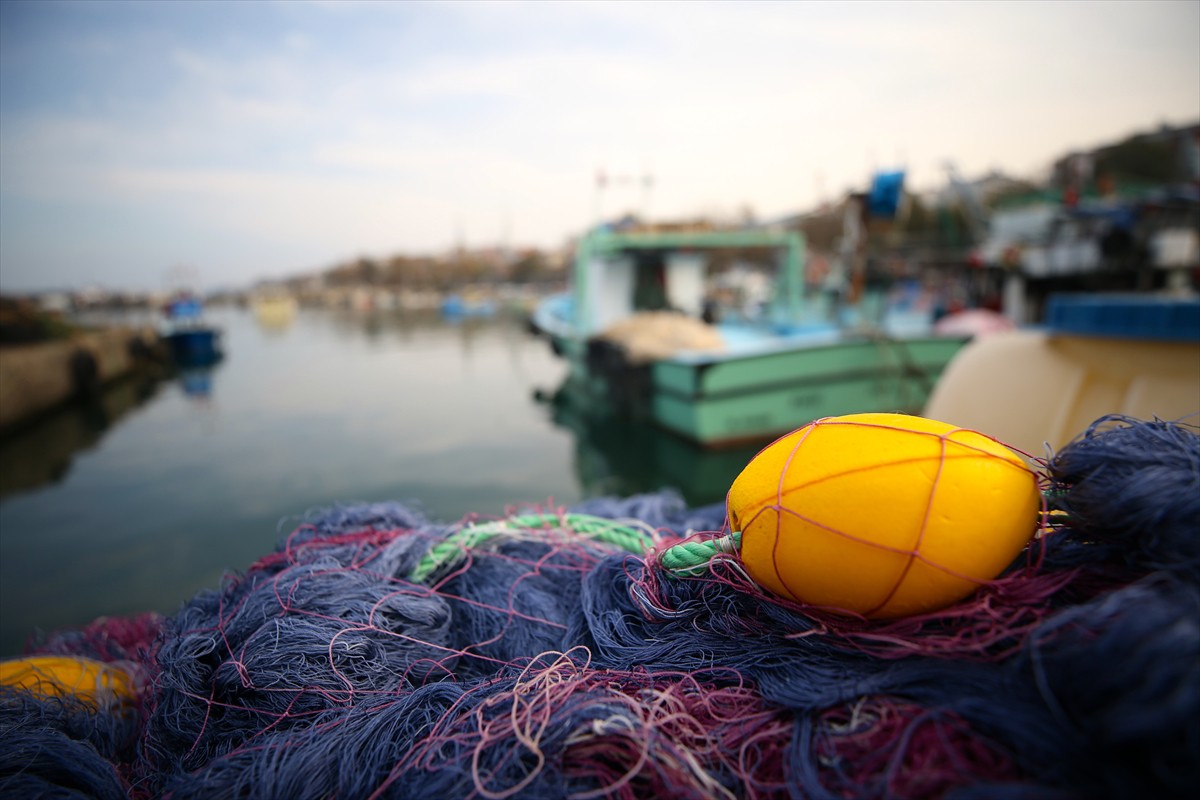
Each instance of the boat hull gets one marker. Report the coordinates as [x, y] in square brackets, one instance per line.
[721, 402]
[195, 347]
[756, 390]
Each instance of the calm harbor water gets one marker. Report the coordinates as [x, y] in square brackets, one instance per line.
[136, 504]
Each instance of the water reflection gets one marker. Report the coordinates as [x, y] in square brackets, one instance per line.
[381, 327]
[377, 325]
[42, 452]
[619, 456]
[610, 456]
[197, 383]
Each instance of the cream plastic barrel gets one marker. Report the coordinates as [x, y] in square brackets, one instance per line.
[1137, 356]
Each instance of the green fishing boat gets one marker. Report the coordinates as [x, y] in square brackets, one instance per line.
[644, 339]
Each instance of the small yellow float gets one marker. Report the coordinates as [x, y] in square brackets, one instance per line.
[96, 683]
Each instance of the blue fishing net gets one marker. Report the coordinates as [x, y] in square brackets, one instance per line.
[533, 657]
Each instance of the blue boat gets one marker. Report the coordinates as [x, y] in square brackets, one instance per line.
[456, 306]
[192, 341]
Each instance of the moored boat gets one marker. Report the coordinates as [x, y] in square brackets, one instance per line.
[723, 376]
[458, 306]
[274, 310]
[192, 341]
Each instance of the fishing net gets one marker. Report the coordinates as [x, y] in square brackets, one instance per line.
[648, 336]
[560, 653]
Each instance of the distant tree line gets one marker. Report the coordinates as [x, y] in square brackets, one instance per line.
[443, 273]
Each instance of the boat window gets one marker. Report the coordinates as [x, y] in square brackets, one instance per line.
[650, 282]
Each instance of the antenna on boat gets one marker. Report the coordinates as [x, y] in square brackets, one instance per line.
[968, 197]
[647, 189]
[460, 237]
[598, 197]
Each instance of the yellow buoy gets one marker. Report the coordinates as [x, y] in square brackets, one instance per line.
[884, 515]
[94, 682]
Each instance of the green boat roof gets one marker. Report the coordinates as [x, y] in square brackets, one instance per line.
[666, 240]
[789, 276]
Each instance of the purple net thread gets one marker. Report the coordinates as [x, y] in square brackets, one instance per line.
[546, 665]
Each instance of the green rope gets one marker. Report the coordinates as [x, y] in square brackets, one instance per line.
[454, 547]
[689, 559]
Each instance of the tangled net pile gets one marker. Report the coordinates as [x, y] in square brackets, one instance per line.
[376, 654]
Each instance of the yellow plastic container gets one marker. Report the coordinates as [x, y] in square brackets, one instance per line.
[1030, 389]
[93, 682]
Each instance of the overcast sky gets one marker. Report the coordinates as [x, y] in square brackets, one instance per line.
[251, 140]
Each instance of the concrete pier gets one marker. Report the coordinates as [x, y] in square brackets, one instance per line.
[37, 377]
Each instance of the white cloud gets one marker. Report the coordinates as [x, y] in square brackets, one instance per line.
[310, 142]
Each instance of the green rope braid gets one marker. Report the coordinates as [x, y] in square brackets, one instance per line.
[689, 559]
[605, 531]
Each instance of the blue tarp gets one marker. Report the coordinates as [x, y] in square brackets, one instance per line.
[887, 190]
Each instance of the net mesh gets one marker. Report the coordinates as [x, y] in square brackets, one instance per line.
[548, 653]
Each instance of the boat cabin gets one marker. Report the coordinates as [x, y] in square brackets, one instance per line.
[617, 275]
